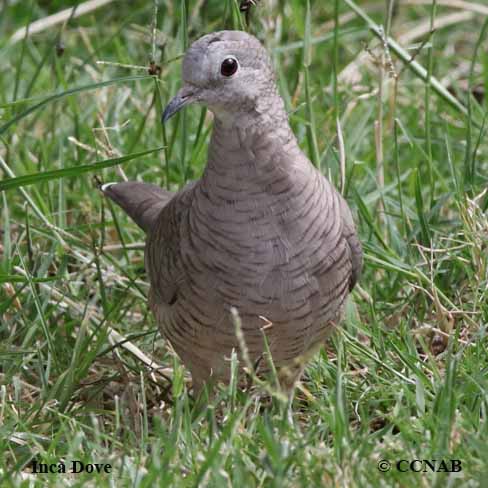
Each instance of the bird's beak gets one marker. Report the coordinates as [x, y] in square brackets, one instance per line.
[184, 97]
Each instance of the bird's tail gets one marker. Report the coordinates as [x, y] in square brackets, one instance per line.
[141, 201]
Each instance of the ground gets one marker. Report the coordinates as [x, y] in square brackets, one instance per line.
[405, 377]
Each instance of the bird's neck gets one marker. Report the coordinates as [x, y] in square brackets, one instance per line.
[246, 153]
[252, 145]
[267, 113]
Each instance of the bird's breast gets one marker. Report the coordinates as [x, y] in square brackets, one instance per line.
[260, 247]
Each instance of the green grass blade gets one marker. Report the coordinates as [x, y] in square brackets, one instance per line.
[413, 65]
[20, 181]
[72, 91]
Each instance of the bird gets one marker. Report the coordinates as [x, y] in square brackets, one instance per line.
[263, 235]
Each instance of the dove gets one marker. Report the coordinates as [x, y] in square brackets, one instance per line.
[262, 234]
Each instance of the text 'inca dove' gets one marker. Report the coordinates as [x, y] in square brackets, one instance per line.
[262, 231]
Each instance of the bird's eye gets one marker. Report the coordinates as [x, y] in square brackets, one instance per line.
[229, 67]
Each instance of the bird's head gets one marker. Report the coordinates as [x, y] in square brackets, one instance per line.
[229, 72]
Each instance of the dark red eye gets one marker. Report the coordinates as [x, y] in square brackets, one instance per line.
[228, 67]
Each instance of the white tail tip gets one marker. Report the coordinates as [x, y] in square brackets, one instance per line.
[107, 185]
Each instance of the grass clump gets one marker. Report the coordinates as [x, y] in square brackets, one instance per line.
[84, 374]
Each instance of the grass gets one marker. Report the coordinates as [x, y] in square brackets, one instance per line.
[407, 376]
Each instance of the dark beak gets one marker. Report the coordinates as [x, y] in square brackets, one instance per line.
[184, 97]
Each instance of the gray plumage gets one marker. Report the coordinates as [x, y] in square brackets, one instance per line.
[141, 201]
[262, 231]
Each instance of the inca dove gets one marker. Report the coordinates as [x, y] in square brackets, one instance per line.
[262, 231]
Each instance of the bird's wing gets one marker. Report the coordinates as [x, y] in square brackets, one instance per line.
[350, 234]
[141, 201]
[163, 248]
[158, 212]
